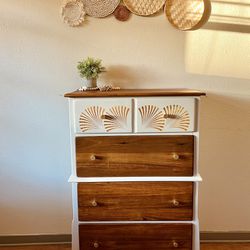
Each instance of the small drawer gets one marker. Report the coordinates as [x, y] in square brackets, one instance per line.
[135, 201]
[119, 156]
[103, 115]
[165, 114]
[135, 236]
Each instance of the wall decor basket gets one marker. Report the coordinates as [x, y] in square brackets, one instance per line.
[144, 7]
[73, 12]
[100, 8]
[122, 13]
[188, 14]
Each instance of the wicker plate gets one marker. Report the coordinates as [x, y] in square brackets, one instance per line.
[144, 7]
[188, 14]
[100, 8]
[73, 12]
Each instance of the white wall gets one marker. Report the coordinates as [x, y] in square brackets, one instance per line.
[38, 65]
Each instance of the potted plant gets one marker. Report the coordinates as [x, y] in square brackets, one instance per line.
[90, 69]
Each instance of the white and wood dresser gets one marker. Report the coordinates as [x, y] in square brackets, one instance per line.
[135, 169]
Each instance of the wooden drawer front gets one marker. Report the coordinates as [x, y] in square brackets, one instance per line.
[134, 156]
[136, 236]
[166, 114]
[135, 201]
[103, 115]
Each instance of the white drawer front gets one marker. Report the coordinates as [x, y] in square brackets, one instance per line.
[103, 115]
[165, 114]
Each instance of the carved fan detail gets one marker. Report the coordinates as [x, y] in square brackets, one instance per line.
[176, 117]
[151, 117]
[116, 118]
[91, 118]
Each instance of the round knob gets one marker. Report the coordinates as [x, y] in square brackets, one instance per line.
[94, 203]
[96, 244]
[92, 157]
[176, 203]
[175, 244]
[176, 156]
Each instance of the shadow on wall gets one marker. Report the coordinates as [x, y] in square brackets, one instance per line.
[221, 47]
[125, 77]
[225, 161]
[230, 15]
[15, 217]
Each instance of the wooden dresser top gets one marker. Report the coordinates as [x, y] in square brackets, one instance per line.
[135, 93]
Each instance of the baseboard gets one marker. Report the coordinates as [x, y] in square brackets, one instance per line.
[225, 236]
[35, 239]
[66, 238]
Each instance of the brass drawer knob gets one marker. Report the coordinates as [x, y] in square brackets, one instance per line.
[96, 245]
[176, 203]
[92, 157]
[175, 156]
[94, 203]
[175, 244]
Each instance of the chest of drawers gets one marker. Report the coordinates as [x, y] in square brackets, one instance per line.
[135, 169]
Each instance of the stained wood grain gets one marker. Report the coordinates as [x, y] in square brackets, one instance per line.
[204, 246]
[136, 93]
[38, 247]
[136, 201]
[136, 236]
[119, 156]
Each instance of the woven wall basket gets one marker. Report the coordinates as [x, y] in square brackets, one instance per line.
[188, 14]
[100, 8]
[144, 7]
[122, 13]
[73, 12]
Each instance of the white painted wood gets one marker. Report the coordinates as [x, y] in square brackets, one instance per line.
[89, 112]
[196, 236]
[196, 153]
[136, 222]
[150, 113]
[197, 139]
[134, 128]
[75, 222]
[134, 120]
[195, 201]
[134, 134]
[72, 137]
[135, 179]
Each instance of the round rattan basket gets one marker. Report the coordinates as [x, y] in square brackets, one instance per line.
[188, 14]
[122, 13]
[100, 8]
[144, 7]
[73, 12]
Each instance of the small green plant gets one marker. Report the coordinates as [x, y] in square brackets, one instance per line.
[90, 68]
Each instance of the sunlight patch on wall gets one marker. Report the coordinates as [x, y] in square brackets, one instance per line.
[230, 12]
[221, 49]
[218, 53]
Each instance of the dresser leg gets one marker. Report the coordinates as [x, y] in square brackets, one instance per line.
[75, 235]
[196, 236]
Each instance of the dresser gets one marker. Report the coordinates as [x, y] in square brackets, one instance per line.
[135, 169]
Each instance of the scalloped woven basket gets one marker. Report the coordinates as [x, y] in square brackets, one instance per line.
[144, 7]
[73, 12]
[100, 8]
[188, 14]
